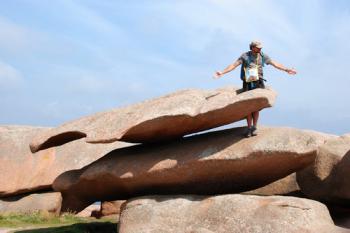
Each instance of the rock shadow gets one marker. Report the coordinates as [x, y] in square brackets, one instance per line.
[98, 227]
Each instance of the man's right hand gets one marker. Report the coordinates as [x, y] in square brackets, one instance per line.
[217, 74]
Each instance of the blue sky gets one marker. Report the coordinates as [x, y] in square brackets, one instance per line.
[63, 59]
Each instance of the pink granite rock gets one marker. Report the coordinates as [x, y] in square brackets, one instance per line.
[21, 171]
[286, 186]
[167, 117]
[328, 179]
[225, 214]
[111, 207]
[88, 211]
[212, 163]
[34, 202]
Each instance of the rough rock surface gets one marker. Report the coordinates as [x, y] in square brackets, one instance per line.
[225, 214]
[211, 163]
[171, 116]
[285, 186]
[328, 179]
[111, 207]
[50, 202]
[21, 171]
[88, 211]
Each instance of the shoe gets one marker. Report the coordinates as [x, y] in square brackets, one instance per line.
[253, 131]
[248, 132]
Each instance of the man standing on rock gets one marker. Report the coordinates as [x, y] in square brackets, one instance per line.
[252, 63]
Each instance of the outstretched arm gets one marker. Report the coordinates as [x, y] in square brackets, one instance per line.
[281, 67]
[229, 68]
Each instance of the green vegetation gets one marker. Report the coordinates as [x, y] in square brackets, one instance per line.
[40, 222]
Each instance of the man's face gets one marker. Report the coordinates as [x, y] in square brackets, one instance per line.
[256, 50]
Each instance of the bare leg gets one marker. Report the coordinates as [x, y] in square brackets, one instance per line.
[249, 125]
[255, 123]
[249, 120]
[255, 118]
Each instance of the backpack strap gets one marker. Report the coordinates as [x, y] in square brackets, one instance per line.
[250, 59]
[262, 59]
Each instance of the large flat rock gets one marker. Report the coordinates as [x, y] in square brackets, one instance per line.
[328, 179]
[171, 116]
[225, 214]
[47, 202]
[21, 171]
[211, 163]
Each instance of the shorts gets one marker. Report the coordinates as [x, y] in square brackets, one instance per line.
[253, 85]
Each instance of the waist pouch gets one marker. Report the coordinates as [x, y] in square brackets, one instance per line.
[251, 74]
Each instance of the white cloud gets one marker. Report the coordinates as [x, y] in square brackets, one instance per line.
[12, 36]
[16, 39]
[89, 17]
[241, 20]
[10, 77]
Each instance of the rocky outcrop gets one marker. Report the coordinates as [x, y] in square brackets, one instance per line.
[328, 178]
[171, 116]
[47, 202]
[21, 171]
[212, 163]
[226, 213]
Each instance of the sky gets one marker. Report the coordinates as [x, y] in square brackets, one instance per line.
[64, 59]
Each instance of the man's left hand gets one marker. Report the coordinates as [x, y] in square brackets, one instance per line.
[291, 71]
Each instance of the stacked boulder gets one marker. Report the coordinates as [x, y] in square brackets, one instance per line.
[328, 179]
[165, 118]
[207, 164]
[26, 178]
[226, 214]
[218, 181]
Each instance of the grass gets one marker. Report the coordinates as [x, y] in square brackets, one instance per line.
[50, 223]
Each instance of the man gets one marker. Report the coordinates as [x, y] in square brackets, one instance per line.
[252, 63]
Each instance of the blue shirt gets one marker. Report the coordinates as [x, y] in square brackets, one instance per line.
[249, 58]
